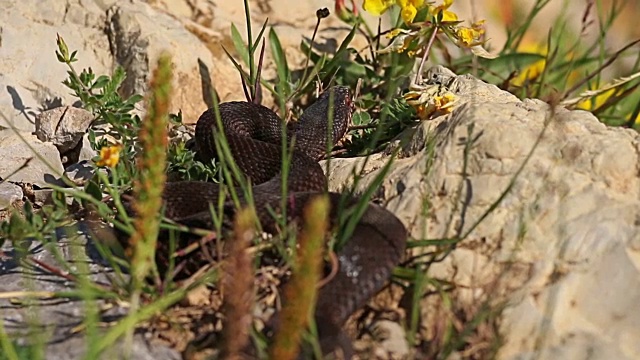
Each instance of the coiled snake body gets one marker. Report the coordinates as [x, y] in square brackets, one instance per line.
[253, 133]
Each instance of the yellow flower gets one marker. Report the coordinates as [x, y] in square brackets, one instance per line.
[599, 98]
[409, 8]
[466, 35]
[470, 36]
[445, 102]
[595, 102]
[109, 156]
[430, 101]
[377, 7]
[446, 14]
[534, 70]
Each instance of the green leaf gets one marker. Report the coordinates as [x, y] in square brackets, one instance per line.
[93, 188]
[116, 80]
[361, 118]
[134, 99]
[239, 44]
[127, 107]
[62, 46]
[259, 37]
[100, 82]
[354, 71]
[280, 59]
[87, 76]
[28, 210]
[60, 57]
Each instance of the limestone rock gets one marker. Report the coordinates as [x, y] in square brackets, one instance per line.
[64, 126]
[31, 77]
[392, 338]
[17, 148]
[81, 172]
[42, 196]
[560, 248]
[9, 194]
[135, 35]
[138, 35]
[81, 152]
[57, 318]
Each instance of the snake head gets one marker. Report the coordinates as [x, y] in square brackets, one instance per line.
[312, 127]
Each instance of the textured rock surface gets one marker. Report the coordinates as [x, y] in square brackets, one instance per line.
[81, 172]
[57, 319]
[561, 248]
[138, 34]
[14, 153]
[63, 126]
[393, 341]
[9, 194]
[133, 34]
[105, 33]
[30, 76]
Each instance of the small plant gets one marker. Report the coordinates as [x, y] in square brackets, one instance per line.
[183, 164]
[33, 225]
[99, 95]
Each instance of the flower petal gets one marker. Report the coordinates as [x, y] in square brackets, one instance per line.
[449, 16]
[408, 13]
[377, 7]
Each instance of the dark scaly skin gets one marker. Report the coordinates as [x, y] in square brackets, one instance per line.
[253, 133]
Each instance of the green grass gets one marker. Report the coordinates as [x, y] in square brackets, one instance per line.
[382, 114]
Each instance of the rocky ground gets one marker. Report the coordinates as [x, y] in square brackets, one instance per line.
[559, 254]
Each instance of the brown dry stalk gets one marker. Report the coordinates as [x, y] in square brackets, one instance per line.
[237, 287]
[151, 163]
[300, 293]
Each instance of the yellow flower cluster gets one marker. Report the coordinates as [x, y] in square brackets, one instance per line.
[442, 9]
[445, 20]
[428, 102]
[409, 8]
[109, 156]
[469, 36]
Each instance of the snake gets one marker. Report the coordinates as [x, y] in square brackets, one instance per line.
[254, 134]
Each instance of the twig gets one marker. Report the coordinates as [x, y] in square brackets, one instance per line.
[597, 71]
[333, 260]
[425, 55]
